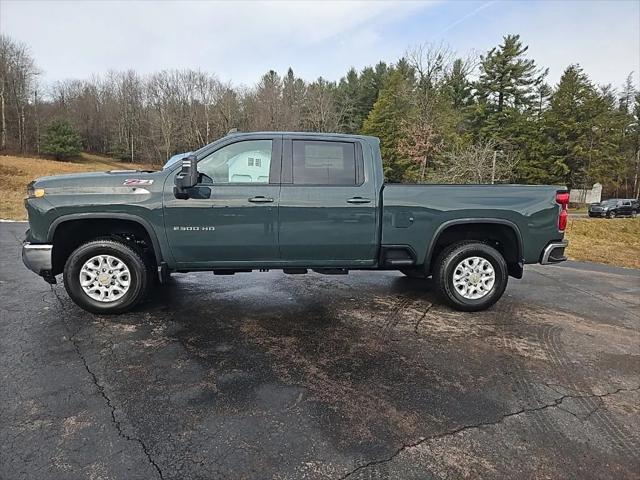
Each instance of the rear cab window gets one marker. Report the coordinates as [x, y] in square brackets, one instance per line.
[320, 162]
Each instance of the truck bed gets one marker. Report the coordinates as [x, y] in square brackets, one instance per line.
[414, 214]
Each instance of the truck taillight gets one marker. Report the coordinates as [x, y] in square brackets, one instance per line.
[562, 198]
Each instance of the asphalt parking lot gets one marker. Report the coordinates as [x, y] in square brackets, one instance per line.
[364, 376]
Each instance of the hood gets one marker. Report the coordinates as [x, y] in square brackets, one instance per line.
[93, 181]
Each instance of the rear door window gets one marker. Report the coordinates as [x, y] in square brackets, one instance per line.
[324, 163]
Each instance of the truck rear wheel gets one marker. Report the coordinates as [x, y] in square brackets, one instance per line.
[470, 276]
[105, 276]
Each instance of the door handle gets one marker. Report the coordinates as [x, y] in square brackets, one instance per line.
[261, 199]
[359, 200]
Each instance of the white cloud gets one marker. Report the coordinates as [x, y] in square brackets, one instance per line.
[237, 40]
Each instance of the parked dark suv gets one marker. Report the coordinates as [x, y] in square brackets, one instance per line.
[614, 207]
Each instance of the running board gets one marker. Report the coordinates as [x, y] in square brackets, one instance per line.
[331, 271]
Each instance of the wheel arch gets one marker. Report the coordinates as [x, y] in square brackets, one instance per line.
[108, 218]
[515, 259]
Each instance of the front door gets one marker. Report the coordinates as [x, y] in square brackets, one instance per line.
[232, 213]
[328, 204]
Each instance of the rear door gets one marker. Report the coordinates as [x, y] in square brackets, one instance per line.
[231, 217]
[328, 203]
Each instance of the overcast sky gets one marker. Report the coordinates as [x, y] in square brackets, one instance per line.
[239, 41]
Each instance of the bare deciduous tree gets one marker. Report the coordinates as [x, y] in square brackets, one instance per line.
[17, 80]
[420, 143]
[475, 164]
[321, 114]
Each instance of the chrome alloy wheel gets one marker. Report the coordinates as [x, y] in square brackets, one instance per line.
[105, 278]
[474, 277]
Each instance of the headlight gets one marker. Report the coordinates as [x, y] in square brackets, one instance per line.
[34, 192]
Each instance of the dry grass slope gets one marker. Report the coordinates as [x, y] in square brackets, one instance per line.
[17, 172]
[616, 241]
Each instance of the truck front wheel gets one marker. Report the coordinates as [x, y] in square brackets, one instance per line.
[470, 276]
[105, 276]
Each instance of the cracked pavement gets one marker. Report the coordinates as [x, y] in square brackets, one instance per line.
[365, 376]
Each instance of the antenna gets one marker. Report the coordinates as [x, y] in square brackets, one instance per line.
[232, 131]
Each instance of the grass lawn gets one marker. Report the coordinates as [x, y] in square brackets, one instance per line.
[615, 241]
[578, 209]
[17, 172]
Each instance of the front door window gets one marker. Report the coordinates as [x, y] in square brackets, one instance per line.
[241, 162]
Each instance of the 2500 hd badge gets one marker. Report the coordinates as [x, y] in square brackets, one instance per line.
[193, 229]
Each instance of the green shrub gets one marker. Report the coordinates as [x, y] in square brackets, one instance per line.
[61, 140]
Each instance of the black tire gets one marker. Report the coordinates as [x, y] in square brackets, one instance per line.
[611, 215]
[634, 214]
[447, 262]
[139, 275]
[414, 272]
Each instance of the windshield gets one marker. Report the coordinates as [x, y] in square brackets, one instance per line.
[609, 202]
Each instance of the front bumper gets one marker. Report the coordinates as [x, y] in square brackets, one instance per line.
[554, 252]
[37, 258]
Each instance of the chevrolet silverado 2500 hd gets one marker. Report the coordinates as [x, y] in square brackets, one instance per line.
[290, 201]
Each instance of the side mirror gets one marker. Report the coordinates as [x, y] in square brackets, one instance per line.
[187, 177]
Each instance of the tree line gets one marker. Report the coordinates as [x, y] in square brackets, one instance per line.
[441, 117]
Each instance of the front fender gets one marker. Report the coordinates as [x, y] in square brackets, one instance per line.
[160, 252]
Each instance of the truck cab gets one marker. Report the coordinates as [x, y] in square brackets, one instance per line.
[272, 200]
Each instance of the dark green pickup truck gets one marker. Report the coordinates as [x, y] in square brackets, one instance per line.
[290, 201]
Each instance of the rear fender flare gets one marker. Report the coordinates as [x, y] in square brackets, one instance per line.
[467, 221]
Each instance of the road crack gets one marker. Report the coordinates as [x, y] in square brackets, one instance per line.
[112, 408]
[424, 314]
[555, 404]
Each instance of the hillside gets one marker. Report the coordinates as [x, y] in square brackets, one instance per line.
[17, 172]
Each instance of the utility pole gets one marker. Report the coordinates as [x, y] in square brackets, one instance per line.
[493, 167]
[35, 107]
[636, 184]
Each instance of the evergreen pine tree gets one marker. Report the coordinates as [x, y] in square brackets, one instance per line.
[508, 78]
[61, 140]
[457, 86]
[357, 94]
[508, 93]
[584, 128]
[393, 107]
